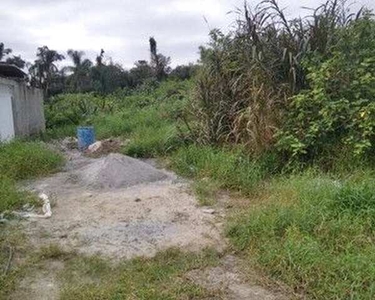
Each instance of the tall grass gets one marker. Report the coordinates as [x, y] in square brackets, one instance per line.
[248, 76]
[230, 169]
[315, 233]
[22, 160]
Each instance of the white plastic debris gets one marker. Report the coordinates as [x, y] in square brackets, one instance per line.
[46, 208]
[93, 148]
[209, 211]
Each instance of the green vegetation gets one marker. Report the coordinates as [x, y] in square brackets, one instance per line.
[12, 242]
[338, 108]
[164, 276]
[296, 87]
[53, 251]
[103, 76]
[161, 277]
[292, 93]
[280, 111]
[148, 117]
[206, 191]
[10, 197]
[231, 169]
[19, 160]
[23, 160]
[315, 233]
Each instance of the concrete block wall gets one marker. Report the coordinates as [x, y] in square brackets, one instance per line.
[28, 110]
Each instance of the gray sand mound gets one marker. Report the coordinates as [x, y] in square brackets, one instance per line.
[117, 171]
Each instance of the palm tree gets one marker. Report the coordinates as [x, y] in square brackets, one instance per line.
[44, 68]
[99, 58]
[159, 62]
[81, 70]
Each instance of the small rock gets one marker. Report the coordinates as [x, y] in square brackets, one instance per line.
[137, 200]
[3, 220]
[209, 211]
[69, 143]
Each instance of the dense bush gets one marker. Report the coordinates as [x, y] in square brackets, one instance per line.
[299, 83]
[339, 106]
[235, 99]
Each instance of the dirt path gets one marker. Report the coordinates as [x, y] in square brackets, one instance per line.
[121, 222]
[125, 222]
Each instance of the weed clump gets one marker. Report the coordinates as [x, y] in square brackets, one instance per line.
[23, 160]
[10, 196]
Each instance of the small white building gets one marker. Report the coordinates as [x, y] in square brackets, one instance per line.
[21, 106]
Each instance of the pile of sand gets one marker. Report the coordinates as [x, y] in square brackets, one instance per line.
[117, 171]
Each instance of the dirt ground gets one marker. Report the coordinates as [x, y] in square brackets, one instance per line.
[122, 222]
[125, 222]
[229, 278]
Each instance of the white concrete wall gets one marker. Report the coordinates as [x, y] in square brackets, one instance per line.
[27, 107]
[6, 113]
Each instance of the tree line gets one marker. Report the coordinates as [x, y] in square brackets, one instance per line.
[102, 76]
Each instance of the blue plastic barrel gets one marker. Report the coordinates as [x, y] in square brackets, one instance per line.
[86, 137]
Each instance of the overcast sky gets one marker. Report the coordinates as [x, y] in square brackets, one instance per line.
[121, 27]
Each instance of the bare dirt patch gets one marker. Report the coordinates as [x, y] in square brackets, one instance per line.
[228, 279]
[120, 207]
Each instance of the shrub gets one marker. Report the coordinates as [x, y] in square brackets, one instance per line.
[59, 132]
[206, 191]
[248, 76]
[117, 124]
[75, 109]
[339, 108]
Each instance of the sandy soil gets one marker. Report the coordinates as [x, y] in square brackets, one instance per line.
[122, 222]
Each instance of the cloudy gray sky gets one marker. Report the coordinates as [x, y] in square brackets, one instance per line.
[121, 27]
